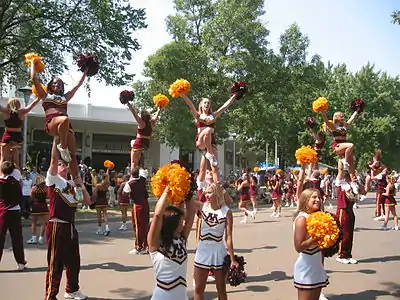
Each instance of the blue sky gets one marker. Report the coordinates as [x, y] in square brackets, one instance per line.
[352, 32]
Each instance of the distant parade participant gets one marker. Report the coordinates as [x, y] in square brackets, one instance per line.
[382, 183]
[10, 218]
[124, 202]
[244, 201]
[62, 236]
[100, 195]
[390, 205]
[136, 190]
[375, 167]
[57, 122]
[12, 138]
[141, 143]
[39, 210]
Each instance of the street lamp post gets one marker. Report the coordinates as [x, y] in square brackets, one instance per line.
[27, 91]
[233, 137]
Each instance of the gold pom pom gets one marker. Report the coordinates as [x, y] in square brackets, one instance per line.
[320, 105]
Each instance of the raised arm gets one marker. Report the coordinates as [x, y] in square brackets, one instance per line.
[225, 106]
[190, 105]
[352, 118]
[31, 106]
[154, 119]
[138, 119]
[55, 156]
[71, 93]
[191, 209]
[313, 133]
[300, 181]
[153, 237]
[326, 120]
[36, 82]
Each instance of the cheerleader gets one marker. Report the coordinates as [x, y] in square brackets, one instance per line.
[340, 145]
[327, 190]
[124, 202]
[40, 210]
[320, 140]
[276, 195]
[244, 197]
[217, 220]
[290, 191]
[13, 116]
[57, 122]
[375, 167]
[145, 122]
[167, 239]
[390, 204]
[205, 124]
[253, 193]
[309, 272]
[100, 194]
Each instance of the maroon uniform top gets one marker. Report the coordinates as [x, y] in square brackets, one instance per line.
[345, 196]
[316, 184]
[13, 121]
[55, 101]
[123, 197]
[382, 183]
[202, 198]
[10, 192]
[146, 131]
[136, 188]
[244, 193]
[200, 123]
[63, 203]
[39, 193]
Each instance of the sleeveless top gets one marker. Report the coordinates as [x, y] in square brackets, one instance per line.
[39, 193]
[205, 121]
[213, 224]
[313, 249]
[170, 266]
[13, 121]
[340, 132]
[55, 101]
[146, 131]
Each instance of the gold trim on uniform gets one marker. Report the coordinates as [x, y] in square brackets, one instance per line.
[208, 267]
[311, 286]
[171, 285]
[211, 237]
[311, 251]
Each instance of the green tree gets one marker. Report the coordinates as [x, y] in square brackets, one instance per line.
[215, 42]
[57, 30]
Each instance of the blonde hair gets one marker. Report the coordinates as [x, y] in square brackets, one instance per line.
[218, 192]
[39, 179]
[303, 201]
[200, 110]
[336, 116]
[13, 105]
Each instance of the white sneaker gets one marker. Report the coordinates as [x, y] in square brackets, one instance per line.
[78, 295]
[353, 261]
[363, 197]
[212, 159]
[277, 215]
[287, 204]
[122, 228]
[343, 260]
[380, 218]
[33, 240]
[20, 267]
[210, 278]
[384, 228]
[396, 228]
[252, 214]
[322, 297]
[65, 155]
[273, 214]
[99, 231]
[355, 206]
[107, 232]
[41, 240]
[134, 252]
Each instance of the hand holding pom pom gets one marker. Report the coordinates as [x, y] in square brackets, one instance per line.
[311, 123]
[239, 88]
[322, 227]
[357, 105]
[179, 87]
[235, 272]
[161, 101]
[320, 105]
[126, 96]
[108, 164]
[306, 155]
[88, 62]
[35, 92]
[36, 60]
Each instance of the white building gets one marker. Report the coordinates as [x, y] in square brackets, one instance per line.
[105, 133]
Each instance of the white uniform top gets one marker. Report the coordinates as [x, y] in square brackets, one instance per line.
[212, 224]
[170, 269]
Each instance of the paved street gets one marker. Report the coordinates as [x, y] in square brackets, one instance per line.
[109, 272]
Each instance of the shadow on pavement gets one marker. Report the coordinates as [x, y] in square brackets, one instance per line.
[380, 259]
[273, 276]
[114, 266]
[362, 271]
[364, 295]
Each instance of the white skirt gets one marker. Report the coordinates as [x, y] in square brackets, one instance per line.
[210, 255]
[177, 293]
[309, 272]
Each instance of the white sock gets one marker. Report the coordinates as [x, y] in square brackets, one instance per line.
[106, 227]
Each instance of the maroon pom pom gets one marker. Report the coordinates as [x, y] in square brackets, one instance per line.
[239, 88]
[90, 62]
[126, 96]
[236, 275]
[357, 105]
[311, 123]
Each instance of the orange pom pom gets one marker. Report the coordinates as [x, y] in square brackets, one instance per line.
[35, 92]
[322, 227]
[320, 105]
[36, 59]
[161, 100]
[108, 164]
[179, 87]
[306, 155]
